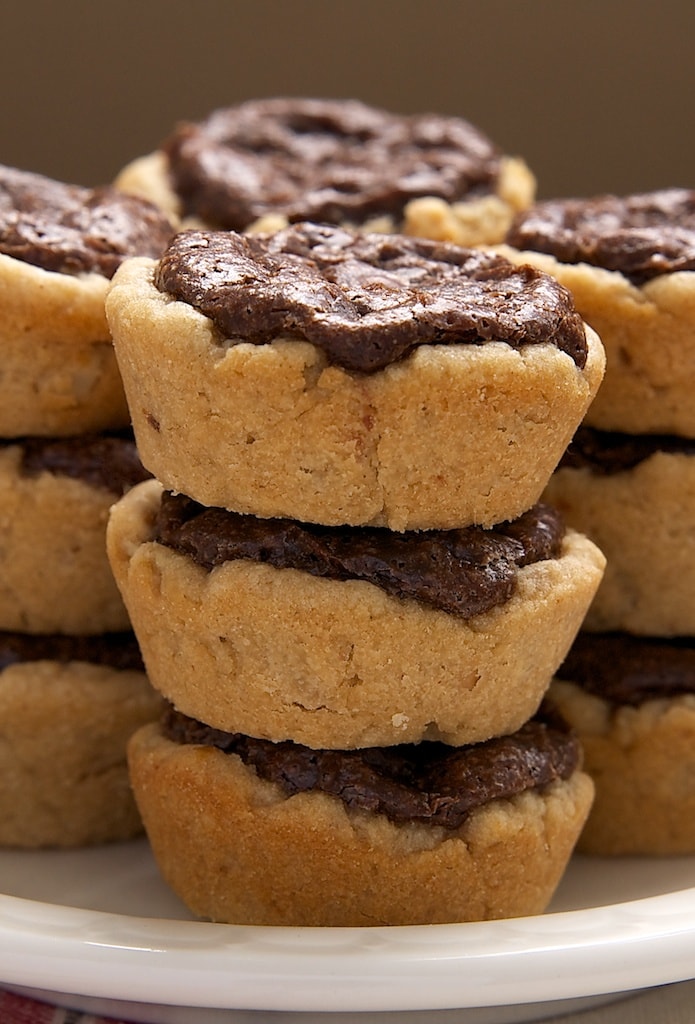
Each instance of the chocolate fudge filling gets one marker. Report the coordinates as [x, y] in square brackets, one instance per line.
[608, 452]
[429, 782]
[642, 236]
[74, 230]
[333, 161]
[464, 572]
[624, 669]
[107, 461]
[365, 300]
[114, 650]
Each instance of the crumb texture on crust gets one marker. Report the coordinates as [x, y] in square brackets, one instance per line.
[63, 752]
[641, 519]
[648, 333]
[59, 374]
[642, 761]
[215, 827]
[483, 220]
[272, 430]
[55, 573]
[344, 664]
[147, 176]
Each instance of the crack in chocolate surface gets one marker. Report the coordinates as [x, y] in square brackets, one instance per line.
[464, 572]
[70, 229]
[625, 669]
[332, 161]
[109, 461]
[114, 650]
[608, 452]
[366, 300]
[642, 236]
[429, 782]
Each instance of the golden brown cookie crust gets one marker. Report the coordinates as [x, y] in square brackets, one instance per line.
[482, 220]
[63, 754]
[59, 371]
[215, 828]
[642, 761]
[55, 575]
[450, 436]
[642, 520]
[148, 177]
[649, 336]
[282, 654]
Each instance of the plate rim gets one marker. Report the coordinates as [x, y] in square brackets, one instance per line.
[610, 948]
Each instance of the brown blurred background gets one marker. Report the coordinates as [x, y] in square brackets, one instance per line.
[596, 94]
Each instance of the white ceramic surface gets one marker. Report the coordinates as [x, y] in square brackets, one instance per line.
[98, 929]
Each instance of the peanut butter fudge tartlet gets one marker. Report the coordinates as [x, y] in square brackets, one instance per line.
[634, 495]
[631, 701]
[347, 637]
[68, 706]
[59, 246]
[55, 496]
[630, 265]
[627, 482]
[251, 832]
[332, 377]
[282, 160]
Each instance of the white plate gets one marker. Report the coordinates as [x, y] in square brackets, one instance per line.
[98, 929]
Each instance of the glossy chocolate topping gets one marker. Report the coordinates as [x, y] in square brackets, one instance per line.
[624, 669]
[73, 230]
[427, 782]
[607, 452]
[114, 650]
[332, 161]
[365, 300]
[641, 235]
[465, 572]
[107, 461]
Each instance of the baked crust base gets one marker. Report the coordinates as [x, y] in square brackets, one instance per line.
[235, 849]
[59, 372]
[642, 520]
[642, 761]
[63, 752]
[649, 336]
[55, 574]
[450, 436]
[282, 654]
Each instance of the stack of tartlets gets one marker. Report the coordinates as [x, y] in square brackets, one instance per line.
[72, 685]
[340, 578]
[628, 481]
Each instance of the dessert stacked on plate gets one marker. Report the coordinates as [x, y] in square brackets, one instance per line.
[628, 481]
[340, 578]
[72, 686]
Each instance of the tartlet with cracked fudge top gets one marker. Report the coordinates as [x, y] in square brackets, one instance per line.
[314, 373]
[631, 701]
[276, 161]
[627, 481]
[347, 637]
[59, 247]
[634, 495]
[340, 579]
[55, 496]
[72, 683]
[630, 265]
[251, 832]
